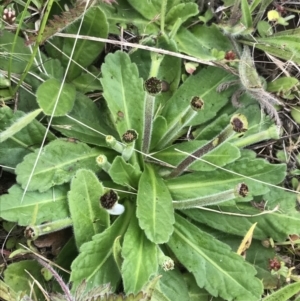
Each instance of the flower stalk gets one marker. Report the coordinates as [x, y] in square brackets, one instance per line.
[196, 104]
[241, 190]
[129, 138]
[34, 232]
[238, 124]
[164, 261]
[271, 133]
[114, 144]
[148, 117]
[103, 163]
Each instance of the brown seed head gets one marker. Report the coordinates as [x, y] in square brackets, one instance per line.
[197, 103]
[129, 136]
[109, 199]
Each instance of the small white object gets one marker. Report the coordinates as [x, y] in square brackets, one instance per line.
[117, 209]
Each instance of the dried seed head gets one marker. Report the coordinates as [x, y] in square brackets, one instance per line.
[239, 123]
[129, 136]
[197, 103]
[29, 233]
[242, 190]
[109, 201]
[120, 115]
[266, 243]
[153, 85]
[168, 264]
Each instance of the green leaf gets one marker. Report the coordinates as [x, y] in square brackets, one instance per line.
[128, 18]
[86, 122]
[124, 173]
[295, 113]
[246, 14]
[172, 285]
[7, 293]
[87, 82]
[195, 292]
[53, 68]
[20, 56]
[197, 42]
[264, 29]
[95, 263]
[24, 141]
[139, 265]
[86, 51]
[117, 249]
[124, 93]
[198, 184]
[16, 275]
[160, 126]
[18, 125]
[36, 207]
[257, 255]
[178, 112]
[286, 87]
[154, 207]
[220, 156]
[54, 98]
[88, 218]
[277, 225]
[285, 293]
[215, 267]
[183, 11]
[285, 45]
[149, 9]
[168, 70]
[57, 164]
[192, 45]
